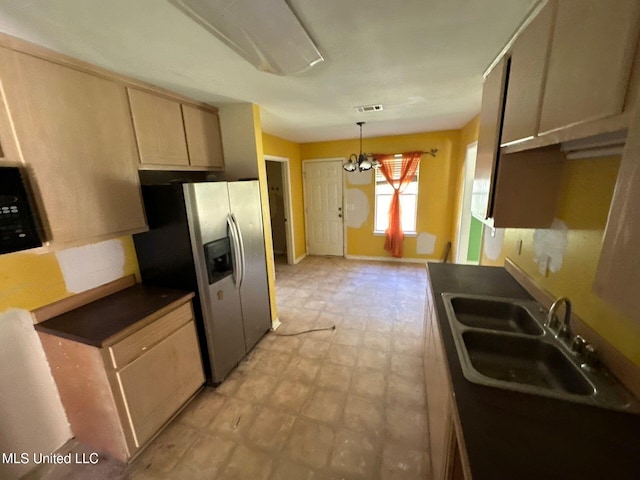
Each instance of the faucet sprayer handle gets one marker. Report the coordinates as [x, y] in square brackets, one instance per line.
[592, 360]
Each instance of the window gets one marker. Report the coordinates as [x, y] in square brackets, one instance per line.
[408, 200]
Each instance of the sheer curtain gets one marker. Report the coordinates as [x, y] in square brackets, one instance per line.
[409, 165]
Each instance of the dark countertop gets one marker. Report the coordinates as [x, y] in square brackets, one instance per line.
[99, 321]
[516, 436]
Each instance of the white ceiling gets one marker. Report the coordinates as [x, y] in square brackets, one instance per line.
[422, 59]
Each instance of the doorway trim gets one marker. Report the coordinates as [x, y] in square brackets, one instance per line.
[464, 227]
[344, 192]
[288, 206]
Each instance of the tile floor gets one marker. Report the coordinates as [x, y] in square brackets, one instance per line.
[342, 404]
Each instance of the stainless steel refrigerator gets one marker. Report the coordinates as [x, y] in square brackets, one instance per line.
[207, 237]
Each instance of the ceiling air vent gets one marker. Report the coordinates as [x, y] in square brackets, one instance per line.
[368, 108]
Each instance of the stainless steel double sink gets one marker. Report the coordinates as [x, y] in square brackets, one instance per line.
[504, 343]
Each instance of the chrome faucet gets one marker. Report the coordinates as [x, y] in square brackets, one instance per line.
[552, 320]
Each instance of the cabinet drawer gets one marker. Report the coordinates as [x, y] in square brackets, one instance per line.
[123, 352]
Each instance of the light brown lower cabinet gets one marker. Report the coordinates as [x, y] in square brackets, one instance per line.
[119, 396]
[445, 458]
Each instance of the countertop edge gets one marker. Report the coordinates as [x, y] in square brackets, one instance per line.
[121, 333]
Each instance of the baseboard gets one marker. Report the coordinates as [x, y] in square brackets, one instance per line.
[300, 258]
[623, 368]
[275, 324]
[390, 259]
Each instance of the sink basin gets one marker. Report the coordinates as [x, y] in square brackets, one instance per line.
[495, 315]
[503, 343]
[524, 361]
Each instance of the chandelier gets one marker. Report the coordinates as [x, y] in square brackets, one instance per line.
[361, 162]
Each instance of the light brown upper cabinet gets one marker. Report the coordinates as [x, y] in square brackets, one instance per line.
[174, 134]
[202, 128]
[159, 129]
[618, 274]
[8, 149]
[529, 55]
[590, 60]
[493, 93]
[517, 190]
[74, 133]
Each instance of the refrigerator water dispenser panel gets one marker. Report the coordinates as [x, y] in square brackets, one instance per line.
[218, 258]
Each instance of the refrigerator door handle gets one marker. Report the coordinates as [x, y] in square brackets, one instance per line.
[241, 248]
[237, 271]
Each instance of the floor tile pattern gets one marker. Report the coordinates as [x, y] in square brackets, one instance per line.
[347, 403]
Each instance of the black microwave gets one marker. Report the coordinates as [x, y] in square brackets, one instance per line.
[19, 225]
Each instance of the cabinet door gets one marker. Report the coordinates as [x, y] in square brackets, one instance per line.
[590, 61]
[8, 150]
[159, 129]
[74, 133]
[438, 399]
[204, 141]
[526, 78]
[527, 186]
[618, 274]
[155, 385]
[491, 111]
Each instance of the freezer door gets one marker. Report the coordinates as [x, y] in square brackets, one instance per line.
[207, 212]
[244, 199]
[208, 207]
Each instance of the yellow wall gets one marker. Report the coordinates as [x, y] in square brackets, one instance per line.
[436, 188]
[587, 188]
[468, 134]
[279, 147]
[30, 280]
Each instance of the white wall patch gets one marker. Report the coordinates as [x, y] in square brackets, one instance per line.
[493, 243]
[552, 243]
[357, 205]
[90, 266]
[31, 413]
[425, 244]
[360, 178]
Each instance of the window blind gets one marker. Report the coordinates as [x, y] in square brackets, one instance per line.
[396, 167]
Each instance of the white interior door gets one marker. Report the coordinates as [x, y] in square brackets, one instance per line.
[323, 207]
